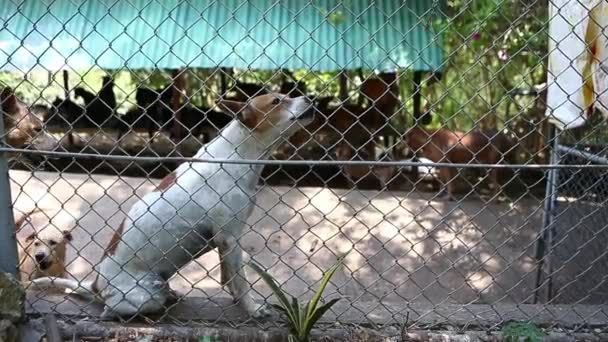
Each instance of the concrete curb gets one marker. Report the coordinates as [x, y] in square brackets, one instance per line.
[111, 331]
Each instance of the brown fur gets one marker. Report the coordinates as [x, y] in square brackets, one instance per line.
[109, 250]
[116, 237]
[382, 90]
[354, 120]
[261, 113]
[42, 253]
[167, 182]
[446, 146]
[383, 102]
[21, 125]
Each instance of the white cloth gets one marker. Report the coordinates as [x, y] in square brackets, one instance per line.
[578, 61]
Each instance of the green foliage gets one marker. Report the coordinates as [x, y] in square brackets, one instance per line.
[300, 319]
[491, 47]
[335, 15]
[514, 331]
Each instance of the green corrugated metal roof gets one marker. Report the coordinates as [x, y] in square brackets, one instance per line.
[262, 34]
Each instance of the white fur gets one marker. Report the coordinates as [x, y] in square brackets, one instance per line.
[166, 230]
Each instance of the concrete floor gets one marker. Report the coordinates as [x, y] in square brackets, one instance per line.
[401, 247]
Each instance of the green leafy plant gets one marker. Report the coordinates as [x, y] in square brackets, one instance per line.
[514, 331]
[300, 319]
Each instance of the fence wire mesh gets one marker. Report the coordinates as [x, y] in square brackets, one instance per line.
[428, 175]
[576, 254]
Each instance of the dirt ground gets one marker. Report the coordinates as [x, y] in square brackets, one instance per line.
[400, 247]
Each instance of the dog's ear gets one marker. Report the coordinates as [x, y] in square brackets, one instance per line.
[67, 235]
[30, 237]
[240, 110]
[231, 107]
[9, 100]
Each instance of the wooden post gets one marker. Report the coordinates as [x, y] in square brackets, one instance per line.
[66, 91]
[417, 111]
[66, 86]
[343, 86]
[417, 95]
[178, 91]
[223, 81]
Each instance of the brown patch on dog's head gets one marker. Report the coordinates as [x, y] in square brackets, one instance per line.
[21, 125]
[268, 111]
[47, 248]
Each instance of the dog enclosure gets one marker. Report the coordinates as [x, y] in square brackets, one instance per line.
[433, 164]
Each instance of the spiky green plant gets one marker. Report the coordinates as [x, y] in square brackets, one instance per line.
[300, 319]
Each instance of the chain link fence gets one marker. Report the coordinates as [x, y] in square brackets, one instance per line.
[573, 244]
[427, 165]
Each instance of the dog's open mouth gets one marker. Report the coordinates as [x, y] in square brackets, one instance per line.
[308, 115]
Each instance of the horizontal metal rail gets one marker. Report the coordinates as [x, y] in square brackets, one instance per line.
[297, 162]
[590, 156]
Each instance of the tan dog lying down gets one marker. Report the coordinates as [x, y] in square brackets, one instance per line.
[42, 253]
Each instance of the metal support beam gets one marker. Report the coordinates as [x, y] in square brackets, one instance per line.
[544, 244]
[8, 244]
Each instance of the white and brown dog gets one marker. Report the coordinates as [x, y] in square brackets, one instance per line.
[199, 207]
[43, 252]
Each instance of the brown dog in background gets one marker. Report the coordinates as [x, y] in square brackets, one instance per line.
[42, 253]
[20, 124]
[447, 146]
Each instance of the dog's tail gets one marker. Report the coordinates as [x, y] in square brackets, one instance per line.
[82, 288]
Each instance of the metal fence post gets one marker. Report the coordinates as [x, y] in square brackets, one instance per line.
[545, 241]
[8, 243]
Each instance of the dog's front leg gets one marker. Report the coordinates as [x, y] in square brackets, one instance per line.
[447, 178]
[233, 275]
